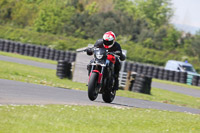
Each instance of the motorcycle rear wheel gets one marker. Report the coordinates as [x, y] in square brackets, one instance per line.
[93, 87]
[108, 96]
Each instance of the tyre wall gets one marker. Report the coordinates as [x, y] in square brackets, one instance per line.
[36, 51]
[141, 84]
[64, 69]
[161, 73]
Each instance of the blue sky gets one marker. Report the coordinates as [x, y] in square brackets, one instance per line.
[187, 14]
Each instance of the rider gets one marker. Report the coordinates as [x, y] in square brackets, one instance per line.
[109, 42]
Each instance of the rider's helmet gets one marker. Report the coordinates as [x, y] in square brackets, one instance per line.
[109, 39]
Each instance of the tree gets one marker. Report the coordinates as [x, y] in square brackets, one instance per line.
[24, 13]
[6, 8]
[171, 40]
[125, 6]
[52, 18]
[195, 45]
[156, 12]
[92, 8]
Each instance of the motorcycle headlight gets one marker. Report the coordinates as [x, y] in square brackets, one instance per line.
[99, 56]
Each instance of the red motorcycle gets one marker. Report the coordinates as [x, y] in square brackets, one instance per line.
[101, 75]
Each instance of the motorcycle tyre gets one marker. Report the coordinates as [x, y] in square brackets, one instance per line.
[108, 97]
[92, 87]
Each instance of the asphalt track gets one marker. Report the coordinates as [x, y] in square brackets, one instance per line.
[14, 92]
[177, 89]
[27, 62]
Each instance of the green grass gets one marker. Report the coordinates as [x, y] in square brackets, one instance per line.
[28, 57]
[85, 119]
[31, 74]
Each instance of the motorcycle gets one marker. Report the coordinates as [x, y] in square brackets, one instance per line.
[101, 75]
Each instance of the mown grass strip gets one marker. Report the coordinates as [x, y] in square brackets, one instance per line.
[85, 119]
[30, 74]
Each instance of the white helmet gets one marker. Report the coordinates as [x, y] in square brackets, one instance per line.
[109, 39]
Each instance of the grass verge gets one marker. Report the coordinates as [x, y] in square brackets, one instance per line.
[71, 118]
[31, 74]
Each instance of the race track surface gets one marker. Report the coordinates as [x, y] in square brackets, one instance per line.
[177, 89]
[14, 92]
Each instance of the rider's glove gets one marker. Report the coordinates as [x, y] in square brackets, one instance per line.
[122, 57]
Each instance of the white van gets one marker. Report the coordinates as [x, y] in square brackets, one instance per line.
[174, 65]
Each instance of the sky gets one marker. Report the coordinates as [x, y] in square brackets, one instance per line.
[186, 15]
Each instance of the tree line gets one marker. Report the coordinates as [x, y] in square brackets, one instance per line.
[142, 23]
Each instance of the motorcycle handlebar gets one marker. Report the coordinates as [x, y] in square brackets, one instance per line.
[92, 49]
[84, 49]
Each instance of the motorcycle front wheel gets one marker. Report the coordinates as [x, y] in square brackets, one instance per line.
[93, 87]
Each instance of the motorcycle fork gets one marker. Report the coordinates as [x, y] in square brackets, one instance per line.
[100, 74]
[102, 71]
[101, 81]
